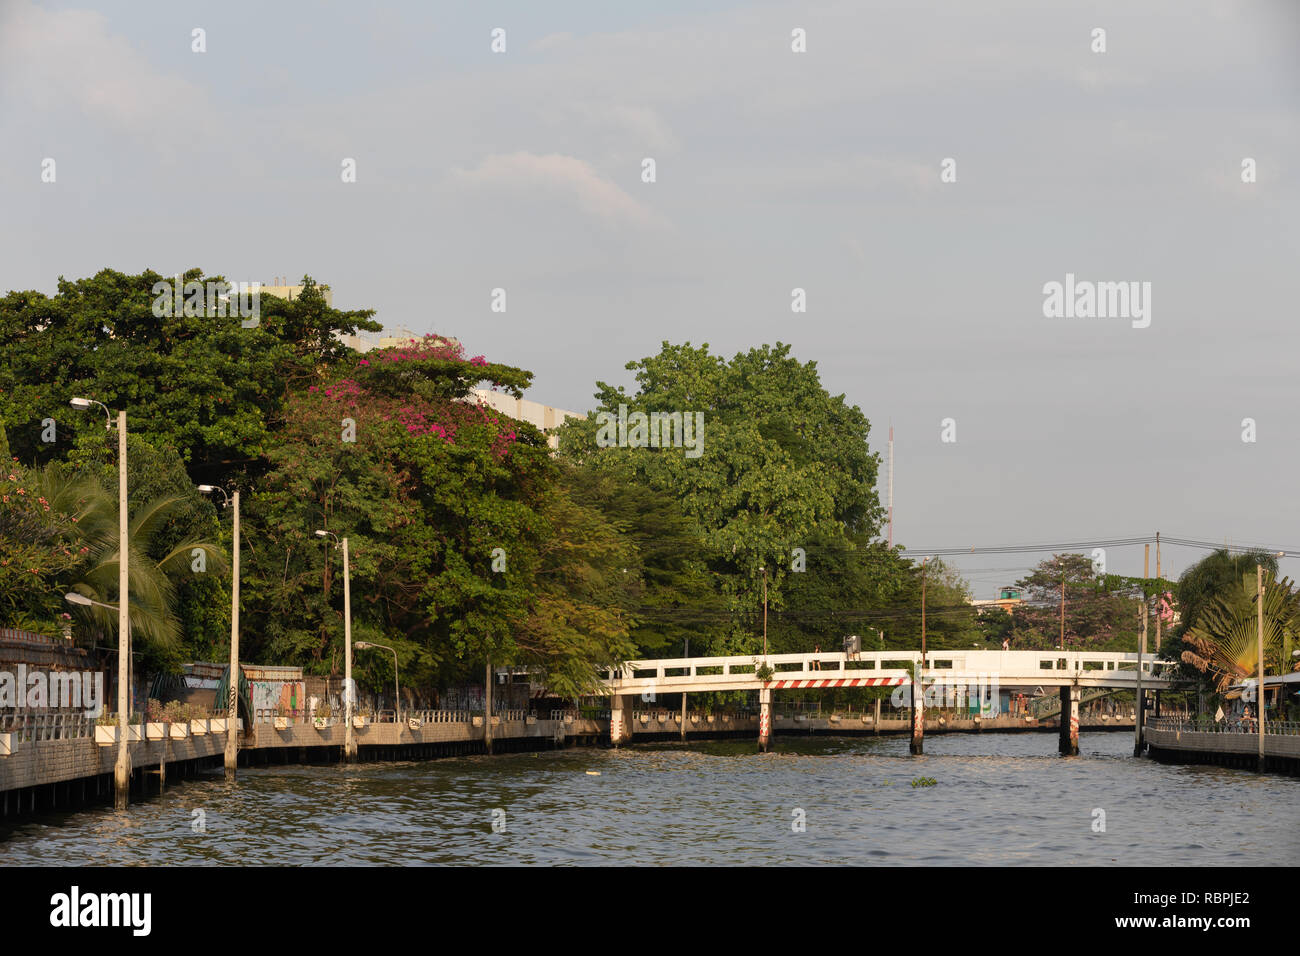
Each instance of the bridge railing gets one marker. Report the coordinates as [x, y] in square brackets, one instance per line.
[1018, 665]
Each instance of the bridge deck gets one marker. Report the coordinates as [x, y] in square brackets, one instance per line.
[888, 669]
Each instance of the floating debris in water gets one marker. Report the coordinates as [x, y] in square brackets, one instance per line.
[593, 773]
[924, 782]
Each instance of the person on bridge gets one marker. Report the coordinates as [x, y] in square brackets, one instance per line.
[1006, 644]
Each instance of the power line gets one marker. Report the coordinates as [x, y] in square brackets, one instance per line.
[1103, 543]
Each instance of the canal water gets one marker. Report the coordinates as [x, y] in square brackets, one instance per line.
[997, 800]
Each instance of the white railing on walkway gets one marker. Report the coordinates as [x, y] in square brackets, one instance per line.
[28, 728]
[1229, 725]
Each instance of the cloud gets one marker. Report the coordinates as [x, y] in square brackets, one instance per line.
[563, 175]
[58, 58]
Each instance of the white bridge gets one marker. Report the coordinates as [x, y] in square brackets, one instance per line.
[973, 670]
[887, 669]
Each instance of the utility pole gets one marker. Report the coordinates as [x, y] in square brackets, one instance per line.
[918, 686]
[349, 695]
[891, 486]
[1142, 646]
[349, 692]
[1160, 602]
[1259, 696]
[487, 706]
[1062, 564]
[122, 769]
[688, 670]
[232, 718]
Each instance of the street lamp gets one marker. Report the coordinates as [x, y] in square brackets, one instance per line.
[74, 597]
[232, 697]
[764, 570]
[122, 770]
[349, 741]
[397, 693]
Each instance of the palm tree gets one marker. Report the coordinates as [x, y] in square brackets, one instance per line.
[1225, 639]
[154, 570]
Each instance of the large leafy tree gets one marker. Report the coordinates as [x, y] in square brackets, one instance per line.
[587, 574]
[856, 585]
[429, 487]
[781, 464]
[674, 596]
[1101, 611]
[188, 377]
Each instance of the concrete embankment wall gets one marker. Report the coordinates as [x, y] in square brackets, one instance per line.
[1281, 752]
[57, 774]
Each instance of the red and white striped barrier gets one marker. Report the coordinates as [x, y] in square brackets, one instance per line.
[842, 682]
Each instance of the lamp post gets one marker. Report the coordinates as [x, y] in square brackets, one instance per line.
[122, 769]
[764, 570]
[397, 693]
[349, 740]
[232, 696]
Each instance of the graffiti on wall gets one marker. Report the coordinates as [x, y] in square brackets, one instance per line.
[280, 696]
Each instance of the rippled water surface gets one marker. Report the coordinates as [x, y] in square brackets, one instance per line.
[998, 799]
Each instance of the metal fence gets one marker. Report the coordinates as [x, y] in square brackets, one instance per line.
[28, 728]
[269, 715]
[1231, 725]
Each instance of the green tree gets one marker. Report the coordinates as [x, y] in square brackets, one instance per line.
[586, 577]
[188, 377]
[427, 485]
[675, 596]
[781, 463]
[1224, 641]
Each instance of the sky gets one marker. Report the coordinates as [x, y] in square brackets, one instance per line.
[775, 170]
